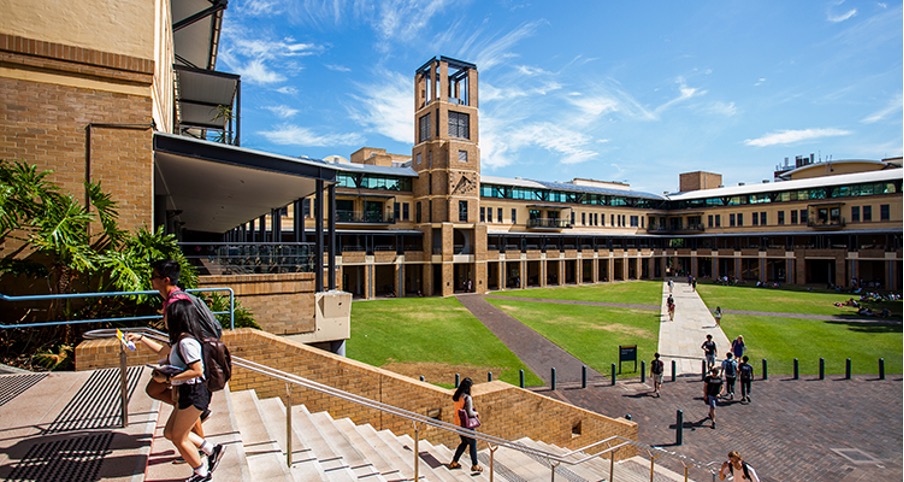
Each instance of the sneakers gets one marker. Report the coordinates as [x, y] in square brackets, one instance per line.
[454, 465]
[205, 415]
[179, 460]
[214, 458]
[199, 478]
[714, 425]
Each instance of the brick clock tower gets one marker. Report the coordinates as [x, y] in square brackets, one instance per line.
[447, 191]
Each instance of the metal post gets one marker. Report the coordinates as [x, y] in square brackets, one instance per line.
[289, 425]
[489, 376]
[679, 427]
[521, 378]
[643, 371]
[123, 386]
[422, 377]
[613, 374]
[796, 369]
[416, 451]
[765, 370]
[612, 465]
[652, 465]
[493, 449]
[882, 369]
[703, 369]
[847, 369]
[583, 376]
[457, 380]
[552, 375]
[822, 368]
[674, 370]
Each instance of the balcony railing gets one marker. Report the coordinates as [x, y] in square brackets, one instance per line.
[549, 223]
[250, 258]
[826, 223]
[363, 217]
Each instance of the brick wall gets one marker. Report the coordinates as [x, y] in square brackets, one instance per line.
[506, 411]
[281, 303]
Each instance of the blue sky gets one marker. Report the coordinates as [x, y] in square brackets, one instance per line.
[630, 91]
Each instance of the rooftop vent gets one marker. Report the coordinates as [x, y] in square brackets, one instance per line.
[740, 184]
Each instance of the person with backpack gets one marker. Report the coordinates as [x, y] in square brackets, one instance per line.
[709, 351]
[462, 402]
[737, 470]
[712, 387]
[656, 370]
[746, 372]
[186, 376]
[730, 372]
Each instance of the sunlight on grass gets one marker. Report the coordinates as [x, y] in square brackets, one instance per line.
[627, 292]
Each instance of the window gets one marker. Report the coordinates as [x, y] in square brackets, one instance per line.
[498, 215]
[572, 218]
[740, 219]
[756, 219]
[483, 214]
[430, 183]
[635, 221]
[489, 215]
[731, 219]
[459, 125]
[763, 218]
[306, 208]
[596, 219]
[794, 216]
[429, 158]
[462, 156]
[855, 214]
[884, 214]
[514, 215]
[584, 219]
[611, 220]
[463, 211]
[718, 220]
[781, 217]
[396, 210]
[867, 213]
[417, 212]
[804, 216]
[418, 157]
[423, 128]
[709, 221]
[405, 211]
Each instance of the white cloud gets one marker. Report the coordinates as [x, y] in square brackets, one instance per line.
[841, 17]
[288, 90]
[495, 51]
[282, 111]
[256, 72]
[793, 136]
[338, 68]
[893, 106]
[760, 81]
[293, 135]
[727, 109]
[593, 106]
[386, 107]
[684, 93]
[259, 8]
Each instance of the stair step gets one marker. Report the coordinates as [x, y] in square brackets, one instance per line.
[265, 457]
[305, 464]
[594, 469]
[334, 466]
[341, 444]
[369, 451]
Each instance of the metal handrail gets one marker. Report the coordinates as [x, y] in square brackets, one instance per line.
[493, 442]
[104, 294]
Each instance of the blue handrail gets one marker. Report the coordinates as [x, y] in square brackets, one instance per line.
[104, 294]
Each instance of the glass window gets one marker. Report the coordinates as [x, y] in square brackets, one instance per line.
[867, 213]
[489, 215]
[804, 216]
[855, 214]
[731, 220]
[740, 219]
[396, 210]
[584, 219]
[884, 212]
[463, 211]
[417, 212]
[483, 214]
[514, 215]
[635, 221]
[794, 216]
[463, 156]
[498, 215]
[781, 217]
[756, 219]
[709, 221]
[718, 220]
[763, 218]
[418, 157]
[405, 211]
[423, 128]
[459, 125]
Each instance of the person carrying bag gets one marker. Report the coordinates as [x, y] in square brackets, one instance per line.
[465, 416]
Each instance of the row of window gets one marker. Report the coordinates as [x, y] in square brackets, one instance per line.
[459, 126]
[823, 215]
[495, 191]
[368, 181]
[828, 192]
[486, 215]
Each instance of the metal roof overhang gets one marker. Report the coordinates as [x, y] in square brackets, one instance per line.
[202, 94]
[218, 187]
[196, 31]
[549, 206]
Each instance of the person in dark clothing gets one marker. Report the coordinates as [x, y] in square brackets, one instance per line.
[462, 401]
[745, 371]
[712, 386]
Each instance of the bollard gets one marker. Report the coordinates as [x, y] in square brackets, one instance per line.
[822, 368]
[847, 369]
[457, 380]
[674, 370]
[422, 377]
[765, 370]
[679, 427]
[613, 374]
[703, 371]
[882, 369]
[643, 371]
[552, 378]
[521, 378]
[583, 376]
[796, 369]
[489, 376]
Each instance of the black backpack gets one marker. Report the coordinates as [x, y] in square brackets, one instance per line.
[210, 325]
[731, 369]
[656, 366]
[746, 371]
[744, 466]
[217, 363]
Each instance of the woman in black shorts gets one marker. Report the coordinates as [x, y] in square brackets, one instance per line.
[192, 396]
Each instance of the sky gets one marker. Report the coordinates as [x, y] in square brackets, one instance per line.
[626, 91]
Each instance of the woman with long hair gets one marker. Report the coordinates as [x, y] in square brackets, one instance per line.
[462, 401]
[192, 397]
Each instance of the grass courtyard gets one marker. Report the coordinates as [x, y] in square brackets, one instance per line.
[437, 338]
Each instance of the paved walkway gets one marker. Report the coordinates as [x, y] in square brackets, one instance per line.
[680, 340]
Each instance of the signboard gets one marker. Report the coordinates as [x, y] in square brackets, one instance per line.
[627, 353]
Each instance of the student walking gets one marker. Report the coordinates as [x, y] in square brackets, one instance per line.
[462, 401]
[745, 370]
[718, 315]
[656, 370]
[738, 348]
[712, 387]
[737, 469]
[730, 372]
[671, 285]
[670, 304]
[709, 351]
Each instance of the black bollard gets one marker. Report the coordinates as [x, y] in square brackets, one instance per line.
[679, 427]
[457, 380]
[847, 369]
[796, 369]
[822, 368]
[422, 377]
[489, 376]
[643, 371]
[703, 370]
[583, 376]
[882, 369]
[613, 374]
[521, 378]
[765, 370]
[552, 377]
[674, 370]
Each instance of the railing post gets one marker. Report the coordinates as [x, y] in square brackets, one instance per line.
[652, 465]
[289, 425]
[123, 385]
[493, 449]
[552, 375]
[417, 432]
[489, 376]
[612, 465]
[703, 370]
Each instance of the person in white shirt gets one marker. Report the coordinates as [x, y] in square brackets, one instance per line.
[737, 470]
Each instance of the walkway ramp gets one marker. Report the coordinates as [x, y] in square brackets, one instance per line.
[680, 340]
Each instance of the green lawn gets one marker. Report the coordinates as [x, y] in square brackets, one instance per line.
[628, 292]
[779, 300]
[780, 340]
[590, 333]
[433, 337]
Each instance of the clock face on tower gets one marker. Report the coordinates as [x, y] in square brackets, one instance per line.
[466, 183]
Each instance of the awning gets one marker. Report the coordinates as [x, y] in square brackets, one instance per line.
[206, 98]
[196, 31]
[549, 206]
[216, 187]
